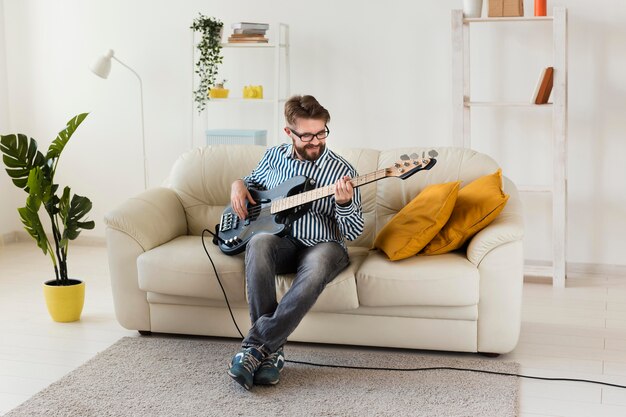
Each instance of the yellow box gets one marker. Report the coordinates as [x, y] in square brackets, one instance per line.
[253, 91]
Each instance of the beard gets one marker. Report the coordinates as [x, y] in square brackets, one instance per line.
[309, 152]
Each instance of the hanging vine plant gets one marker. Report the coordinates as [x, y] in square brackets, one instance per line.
[210, 56]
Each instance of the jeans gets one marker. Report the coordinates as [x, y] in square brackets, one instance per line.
[268, 255]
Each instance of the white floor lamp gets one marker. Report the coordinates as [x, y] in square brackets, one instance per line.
[102, 67]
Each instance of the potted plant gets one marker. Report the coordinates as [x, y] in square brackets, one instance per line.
[34, 172]
[218, 90]
[210, 48]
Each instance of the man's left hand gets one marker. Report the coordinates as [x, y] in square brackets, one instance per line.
[343, 191]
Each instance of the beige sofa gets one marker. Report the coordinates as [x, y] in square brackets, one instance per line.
[467, 300]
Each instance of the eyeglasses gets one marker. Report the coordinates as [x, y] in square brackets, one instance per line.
[308, 137]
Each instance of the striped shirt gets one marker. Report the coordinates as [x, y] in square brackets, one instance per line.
[325, 221]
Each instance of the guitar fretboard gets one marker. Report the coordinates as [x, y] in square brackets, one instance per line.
[318, 193]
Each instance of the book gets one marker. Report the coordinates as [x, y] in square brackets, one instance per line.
[250, 31]
[247, 35]
[544, 86]
[247, 40]
[250, 25]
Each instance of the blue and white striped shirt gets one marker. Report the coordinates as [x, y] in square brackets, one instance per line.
[325, 221]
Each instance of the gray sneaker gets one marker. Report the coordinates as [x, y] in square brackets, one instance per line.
[244, 364]
[270, 369]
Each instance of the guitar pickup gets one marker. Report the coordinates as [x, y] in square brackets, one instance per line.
[227, 222]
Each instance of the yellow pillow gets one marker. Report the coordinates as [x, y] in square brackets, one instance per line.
[477, 205]
[418, 222]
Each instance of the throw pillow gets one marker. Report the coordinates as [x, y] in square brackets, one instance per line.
[418, 222]
[477, 205]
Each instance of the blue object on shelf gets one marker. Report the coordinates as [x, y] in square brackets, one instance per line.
[236, 137]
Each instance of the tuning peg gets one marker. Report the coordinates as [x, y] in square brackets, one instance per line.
[404, 157]
[414, 156]
[433, 153]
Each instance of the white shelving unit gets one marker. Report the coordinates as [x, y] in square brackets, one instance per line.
[279, 47]
[462, 106]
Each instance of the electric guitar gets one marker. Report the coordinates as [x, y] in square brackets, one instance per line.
[276, 209]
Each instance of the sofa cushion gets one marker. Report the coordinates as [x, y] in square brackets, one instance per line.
[418, 222]
[477, 205]
[180, 267]
[444, 280]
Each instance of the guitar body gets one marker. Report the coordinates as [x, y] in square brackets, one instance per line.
[236, 233]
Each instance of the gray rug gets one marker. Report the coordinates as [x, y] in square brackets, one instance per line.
[175, 376]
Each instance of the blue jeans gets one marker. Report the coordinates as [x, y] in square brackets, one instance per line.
[268, 255]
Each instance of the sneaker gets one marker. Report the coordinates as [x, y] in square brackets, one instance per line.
[244, 364]
[269, 371]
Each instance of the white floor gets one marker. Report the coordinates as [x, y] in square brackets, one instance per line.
[579, 332]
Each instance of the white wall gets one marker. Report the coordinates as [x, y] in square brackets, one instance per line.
[382, 69]
[8, 193]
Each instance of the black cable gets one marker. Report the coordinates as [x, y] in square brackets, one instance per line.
[219, 281]
[372, 368]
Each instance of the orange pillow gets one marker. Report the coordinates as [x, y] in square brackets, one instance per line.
[477, 205]
[418, 222]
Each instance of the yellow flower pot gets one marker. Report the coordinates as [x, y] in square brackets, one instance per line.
[217, 92]
[65, 303]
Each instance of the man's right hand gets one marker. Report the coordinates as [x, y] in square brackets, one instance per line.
[239, 197]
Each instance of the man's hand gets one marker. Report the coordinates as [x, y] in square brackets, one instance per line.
[239, 196]
[343, 191]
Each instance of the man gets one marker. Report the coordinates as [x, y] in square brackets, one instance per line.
[314, 249]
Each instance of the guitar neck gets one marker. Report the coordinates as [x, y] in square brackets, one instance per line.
[319, 193]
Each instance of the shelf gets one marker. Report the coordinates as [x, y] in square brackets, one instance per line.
[504, 104]
[534, 270]
[463, 107]
[508, 19]
[245, 100]
[534, 188]
[241, 100]
[251, 45]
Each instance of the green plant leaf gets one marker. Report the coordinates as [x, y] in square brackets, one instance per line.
[20, 156]
[57, 146]
[30, 219]
[39, 185]
[72, 214]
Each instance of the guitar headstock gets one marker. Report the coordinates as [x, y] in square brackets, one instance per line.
[410, 164]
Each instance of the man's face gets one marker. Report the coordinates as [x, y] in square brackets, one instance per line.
[311, 150]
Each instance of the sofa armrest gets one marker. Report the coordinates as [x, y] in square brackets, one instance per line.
[152, 218]
[507, 227]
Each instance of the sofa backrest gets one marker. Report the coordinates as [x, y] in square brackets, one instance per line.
[202, 179]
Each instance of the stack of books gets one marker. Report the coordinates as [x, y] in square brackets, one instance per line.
[246, 32]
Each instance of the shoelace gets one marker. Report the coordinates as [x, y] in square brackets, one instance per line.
[268, 362]
[250, 362]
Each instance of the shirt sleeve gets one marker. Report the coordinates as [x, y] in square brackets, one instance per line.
[350, 217]
[258, 176]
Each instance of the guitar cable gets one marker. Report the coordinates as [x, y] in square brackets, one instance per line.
[371, 368]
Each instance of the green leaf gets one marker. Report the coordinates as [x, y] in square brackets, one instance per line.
[39, 185]
[57, 146]
[20, 157]
[72, 215]
[30, 218]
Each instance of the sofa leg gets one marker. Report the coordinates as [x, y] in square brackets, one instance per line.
[145, 332]
[489, 354]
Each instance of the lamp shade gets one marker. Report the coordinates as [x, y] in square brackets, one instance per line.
[102, 66]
